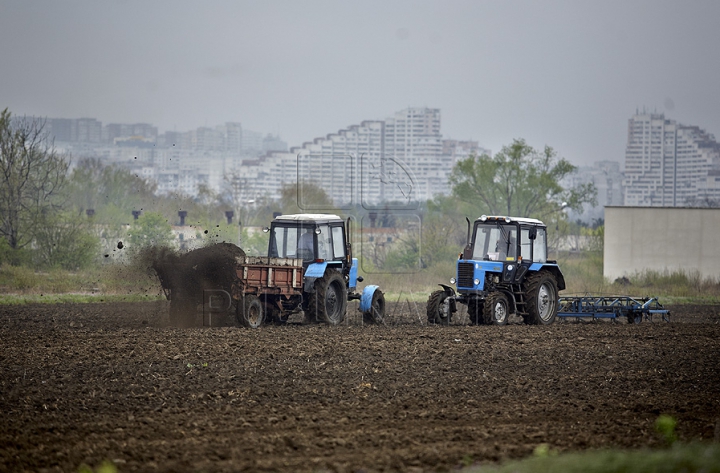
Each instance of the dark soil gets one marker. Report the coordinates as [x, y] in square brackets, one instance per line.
[91, 382]
[209, 267]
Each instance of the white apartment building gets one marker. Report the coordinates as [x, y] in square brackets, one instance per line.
[392, 163]
[395, 162]
[668, 164]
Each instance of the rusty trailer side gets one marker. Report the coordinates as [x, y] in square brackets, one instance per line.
[264, 276]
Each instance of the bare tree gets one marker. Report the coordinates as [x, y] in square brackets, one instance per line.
[32, 174]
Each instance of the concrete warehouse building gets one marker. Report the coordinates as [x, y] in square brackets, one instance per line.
[661, 238]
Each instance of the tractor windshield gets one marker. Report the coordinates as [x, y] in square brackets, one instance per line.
[292, 241]
[495, 242]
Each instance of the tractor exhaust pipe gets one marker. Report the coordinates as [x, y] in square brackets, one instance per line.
[467, 252]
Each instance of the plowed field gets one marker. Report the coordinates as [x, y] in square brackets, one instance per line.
[91, 382]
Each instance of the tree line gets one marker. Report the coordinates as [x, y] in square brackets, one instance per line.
[54, 214]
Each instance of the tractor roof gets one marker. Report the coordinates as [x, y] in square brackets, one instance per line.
[527, 221]
[315, 218]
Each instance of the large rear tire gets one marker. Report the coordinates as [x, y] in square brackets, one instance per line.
[496, 309]
[251, 313]
[542, 298]
[376, 314]
[329, 302]
[435, 313]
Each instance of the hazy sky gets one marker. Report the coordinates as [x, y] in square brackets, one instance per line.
[564, 73]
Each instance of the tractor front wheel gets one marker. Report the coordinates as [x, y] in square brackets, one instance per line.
[496, 309]
[376, 313]
[435, 306]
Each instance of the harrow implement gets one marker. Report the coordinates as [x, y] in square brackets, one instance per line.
[611, 307]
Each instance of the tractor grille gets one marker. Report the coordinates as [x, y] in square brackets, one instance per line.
[466, 271]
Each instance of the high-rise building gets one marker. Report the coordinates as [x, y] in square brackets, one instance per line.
[399, 160]
[669, 164]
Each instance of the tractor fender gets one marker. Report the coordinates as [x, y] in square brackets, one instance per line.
[313, 272]
[316, 270]
[553, 269]
[451, 296]
[366, 298]
[448, 290]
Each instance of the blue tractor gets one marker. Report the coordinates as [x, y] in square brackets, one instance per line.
[503, 269]
[309, 267]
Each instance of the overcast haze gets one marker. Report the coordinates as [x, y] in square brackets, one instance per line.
[564, 73]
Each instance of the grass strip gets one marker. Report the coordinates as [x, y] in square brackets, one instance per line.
[19, 299]
[688, 458]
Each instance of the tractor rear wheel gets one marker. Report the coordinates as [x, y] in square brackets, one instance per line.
[496, 309]
[376, 314]
[329, 302]
[435, 305]
[542, 298]
[475, 312]
[251, 312]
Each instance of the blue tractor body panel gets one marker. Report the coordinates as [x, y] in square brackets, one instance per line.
[470, 270]
[352, 283]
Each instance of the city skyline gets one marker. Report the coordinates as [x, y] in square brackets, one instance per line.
[565, 74]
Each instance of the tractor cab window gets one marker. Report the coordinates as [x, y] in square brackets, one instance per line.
[324, 243]
[526, 244]
[495, 242]
[284, 241]
[540, 246]
[338, 243]
[306, 244]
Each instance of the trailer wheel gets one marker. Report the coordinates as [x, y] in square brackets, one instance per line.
[496, 309]
[475, 312]
[251, 313]
[329, 302]
[376, 314]
[435, 314]
[542, 298]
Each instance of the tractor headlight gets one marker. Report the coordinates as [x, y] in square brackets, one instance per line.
[476, 281]
[483, 218]
[508, 219]
[452, 280]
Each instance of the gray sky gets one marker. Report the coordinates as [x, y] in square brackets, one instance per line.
[564, 73]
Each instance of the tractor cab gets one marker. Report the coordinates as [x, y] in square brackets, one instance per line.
[508, 239]
[501, 250]
[313, 238]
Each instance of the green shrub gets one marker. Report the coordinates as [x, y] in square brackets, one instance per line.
[65, 241]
